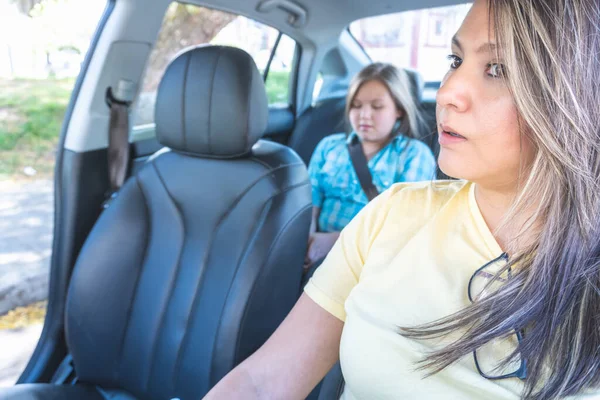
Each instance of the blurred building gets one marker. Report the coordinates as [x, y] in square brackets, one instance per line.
[414, 39]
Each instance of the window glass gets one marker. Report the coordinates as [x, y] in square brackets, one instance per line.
[278, 78]
[415, 39]
[42, 46]
[187, 25]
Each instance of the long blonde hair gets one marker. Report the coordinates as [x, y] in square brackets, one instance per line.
[398, 85]
[551, 51]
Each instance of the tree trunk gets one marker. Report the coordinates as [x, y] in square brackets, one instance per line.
[183, 26]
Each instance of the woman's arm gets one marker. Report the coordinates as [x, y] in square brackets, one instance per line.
[292, 362]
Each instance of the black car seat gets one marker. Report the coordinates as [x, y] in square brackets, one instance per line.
[199, 258]
[327, 117]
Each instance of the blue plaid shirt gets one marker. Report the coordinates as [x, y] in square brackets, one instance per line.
[335, 186]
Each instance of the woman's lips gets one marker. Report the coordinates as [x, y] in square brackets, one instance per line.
[448, 137]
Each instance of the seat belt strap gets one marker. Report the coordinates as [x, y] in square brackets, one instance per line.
[359, 162]
[118, 102]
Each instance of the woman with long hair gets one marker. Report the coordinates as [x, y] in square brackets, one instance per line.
[483, 288]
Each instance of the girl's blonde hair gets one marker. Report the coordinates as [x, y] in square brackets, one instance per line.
[397, 82]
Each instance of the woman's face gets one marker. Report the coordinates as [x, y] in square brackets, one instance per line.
[373, 112]
[477, 119]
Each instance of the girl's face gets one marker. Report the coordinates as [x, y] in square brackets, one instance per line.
[479, 135]
[373, 112]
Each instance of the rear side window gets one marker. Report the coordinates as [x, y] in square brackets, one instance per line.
[187, 25]
[414, 39]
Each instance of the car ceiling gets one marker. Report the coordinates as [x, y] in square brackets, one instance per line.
[325, 18]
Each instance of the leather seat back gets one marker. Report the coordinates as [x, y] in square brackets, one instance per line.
[322, 119]
[199, 258]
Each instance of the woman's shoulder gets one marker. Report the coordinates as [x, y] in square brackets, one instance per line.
[425, 196]
[410, 205]
[444, 188]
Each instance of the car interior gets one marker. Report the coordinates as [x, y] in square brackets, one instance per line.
[187, 271]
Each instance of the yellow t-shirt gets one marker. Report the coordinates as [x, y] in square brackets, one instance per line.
[405, 260]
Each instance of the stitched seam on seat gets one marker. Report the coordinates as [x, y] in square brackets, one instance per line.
[248, 108]
[185, 339]
[137, 280]
[269, 253]
[183, 92]
[210, 100]
[174, 280]
[251, 239]
[234, 204]
[275, 169]
[259, 161]
[192, 312]
[297, 185]
[198, 154]
[283, 230]
[102, 392]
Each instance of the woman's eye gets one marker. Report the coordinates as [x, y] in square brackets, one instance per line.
[496, 70]
[455, 61]
[377, 107]
[354, 105]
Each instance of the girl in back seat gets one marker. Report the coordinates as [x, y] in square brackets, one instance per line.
[484, 288]
[385, 123]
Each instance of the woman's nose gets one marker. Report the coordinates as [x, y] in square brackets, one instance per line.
[454, 91]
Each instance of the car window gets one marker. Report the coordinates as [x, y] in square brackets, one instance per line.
[415, 39]
[277, 82]
[42, 47]
[187, 25]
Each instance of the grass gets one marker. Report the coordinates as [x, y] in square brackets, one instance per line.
[31, 115]
[32, 112]
[277, 86]
[22, 317]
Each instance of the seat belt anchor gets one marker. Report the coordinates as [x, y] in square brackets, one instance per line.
[123, 94]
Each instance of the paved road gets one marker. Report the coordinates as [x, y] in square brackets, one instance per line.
[16, 346]
[26, 218]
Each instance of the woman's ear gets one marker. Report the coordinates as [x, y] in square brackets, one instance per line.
[399, 113]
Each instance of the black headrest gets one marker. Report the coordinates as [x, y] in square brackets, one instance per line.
[211, 102]
[416, 84]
